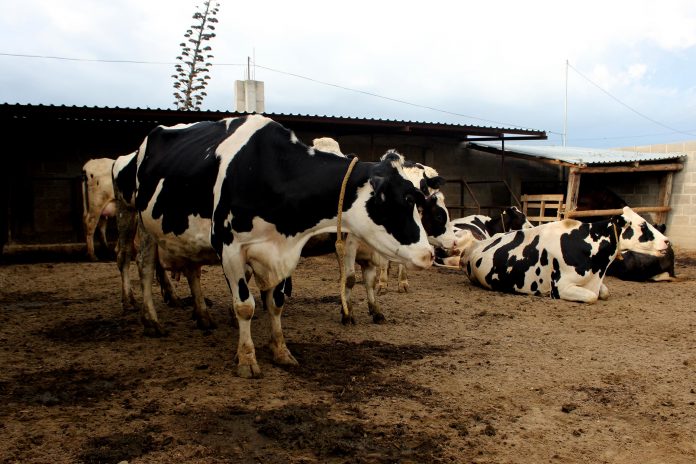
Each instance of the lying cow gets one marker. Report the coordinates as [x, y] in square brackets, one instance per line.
[97, 201]
[482, 227]
[246, 191]
[567, 259]
[642, 267]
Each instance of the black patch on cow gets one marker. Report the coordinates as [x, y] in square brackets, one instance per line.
[287, 288]
[475, 230]
[185, 160]
[478, 262]
[243, 290]
[646, 234]
[434, 217]
[538, 269]
[279, 295]
[275, 179]
[468, 267]
[544, 258]
[492, 244]
[124, 182]
[534, 287]
[509, 270]
[555, 277]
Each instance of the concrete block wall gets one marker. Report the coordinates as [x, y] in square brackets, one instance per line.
[681, 221]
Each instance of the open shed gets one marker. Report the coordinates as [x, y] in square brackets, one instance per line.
[40, 193]
[578, 162]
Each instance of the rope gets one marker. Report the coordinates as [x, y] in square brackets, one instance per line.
[619, 256]
[340, 245]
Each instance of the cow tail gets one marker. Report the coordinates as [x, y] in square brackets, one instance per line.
[85, 190]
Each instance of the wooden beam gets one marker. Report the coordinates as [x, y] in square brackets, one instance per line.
[612, 212]
[664, 196]
[641, 168]
[573, 190]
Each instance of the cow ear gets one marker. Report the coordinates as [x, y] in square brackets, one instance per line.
[662, 228]
[435, 182]
[377, 183]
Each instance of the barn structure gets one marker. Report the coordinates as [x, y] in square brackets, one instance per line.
[40, 193]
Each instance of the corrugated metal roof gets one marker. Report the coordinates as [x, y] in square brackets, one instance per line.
[335, 125]
[581, 156]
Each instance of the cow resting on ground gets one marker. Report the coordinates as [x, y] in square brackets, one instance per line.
[482, 227]
[246, 191]
[97, 201]
[567, 259]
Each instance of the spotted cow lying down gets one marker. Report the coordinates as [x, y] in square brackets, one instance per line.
[567, 259]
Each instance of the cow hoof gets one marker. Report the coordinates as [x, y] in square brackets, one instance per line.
[381, 290]
[403, 288]
[347, 319]
[155, 331]
[378, 318]
[285, 359]
[205, 324]
[249, 371]
[173, 301]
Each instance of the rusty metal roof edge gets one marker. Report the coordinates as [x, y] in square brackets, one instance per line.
[581, 155]
[222, 113]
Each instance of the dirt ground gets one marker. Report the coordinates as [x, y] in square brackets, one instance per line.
[457, 374]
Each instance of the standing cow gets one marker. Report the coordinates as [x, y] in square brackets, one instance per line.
[246, 191]
[97, 201]
[567, 259]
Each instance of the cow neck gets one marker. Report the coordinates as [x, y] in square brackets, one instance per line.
[340, 246]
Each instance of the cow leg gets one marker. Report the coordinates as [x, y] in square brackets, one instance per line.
[200, 309]
[273, 302]
[101, 226]
[124, 256]
[351, 250]
[90, 226]
[663, 277]
[166, 287]
[383, 281]
[576, 293]
[369, 272]
[403, 279]
[603, 292]
[147, 256]
[234, 267]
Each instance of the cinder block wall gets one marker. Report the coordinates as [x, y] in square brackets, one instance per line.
[681, 222]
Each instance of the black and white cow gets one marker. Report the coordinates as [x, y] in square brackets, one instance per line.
[375, 267]
[482, 227]
[247, 192]
[567, 259]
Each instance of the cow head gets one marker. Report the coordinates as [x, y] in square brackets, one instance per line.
[641, 236]
[393, 225]
[514, 219]
[436, 223]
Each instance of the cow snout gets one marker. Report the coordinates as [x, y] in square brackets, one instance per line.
[422, 260]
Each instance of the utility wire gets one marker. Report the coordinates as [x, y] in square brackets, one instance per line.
[628, 107]
[279, 72]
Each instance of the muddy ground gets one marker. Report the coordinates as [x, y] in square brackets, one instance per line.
[458, 374]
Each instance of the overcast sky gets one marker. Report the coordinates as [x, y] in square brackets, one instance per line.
[632, 79]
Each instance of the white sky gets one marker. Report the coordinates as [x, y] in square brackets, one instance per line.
[501, 62]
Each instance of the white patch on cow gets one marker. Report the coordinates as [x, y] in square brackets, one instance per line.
[176, 250]
[293, 137]
[310, 151]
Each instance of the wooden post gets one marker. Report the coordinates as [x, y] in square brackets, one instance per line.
[572, 192]
[664, 196]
